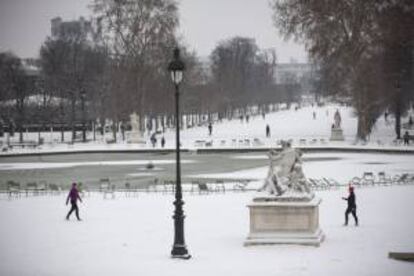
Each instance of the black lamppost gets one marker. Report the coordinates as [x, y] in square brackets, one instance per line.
[179, 250]
[82, 96]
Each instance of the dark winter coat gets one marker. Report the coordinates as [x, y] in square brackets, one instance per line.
[351, 200]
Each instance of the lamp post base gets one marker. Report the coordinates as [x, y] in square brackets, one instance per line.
[180, 252]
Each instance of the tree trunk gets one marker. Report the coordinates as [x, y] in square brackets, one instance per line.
[398, 122]
[72, 118]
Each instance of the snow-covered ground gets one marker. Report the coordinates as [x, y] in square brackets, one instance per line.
[340, 166]
[285, 124]
[133, 236]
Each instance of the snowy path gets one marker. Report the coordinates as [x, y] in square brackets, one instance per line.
[133, 236]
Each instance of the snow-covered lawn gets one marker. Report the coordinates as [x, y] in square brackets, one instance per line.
[285, 124]
[133, 236]
[340, 166]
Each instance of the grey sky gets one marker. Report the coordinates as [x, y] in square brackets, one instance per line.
[24, 24]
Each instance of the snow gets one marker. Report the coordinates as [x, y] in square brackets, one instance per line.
[284, 124]
[54, 165]
[340, 166]
[133, 236]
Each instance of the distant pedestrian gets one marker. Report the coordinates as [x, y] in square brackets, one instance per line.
[267, 131]
[351, 206]
[162, 141]
[73, 196]
[1, 128]
[314, 115]
[386, 116]
[210, 129]
[406, 138]
[410, 121]
[122, 131]
[153, 140]
[247, 118]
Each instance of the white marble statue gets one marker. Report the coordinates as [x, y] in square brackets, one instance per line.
[337, 119]
[135, 135]
[285, 176]
[134, 119]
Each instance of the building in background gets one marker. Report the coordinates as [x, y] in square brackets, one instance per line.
[80, 29]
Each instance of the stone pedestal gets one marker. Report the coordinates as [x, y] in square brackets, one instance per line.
[337, 134]
[282, 221]
[135, 138]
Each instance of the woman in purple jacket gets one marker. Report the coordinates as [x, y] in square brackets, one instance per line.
[73, 196]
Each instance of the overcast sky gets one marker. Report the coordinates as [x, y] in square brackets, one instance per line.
[24, 24]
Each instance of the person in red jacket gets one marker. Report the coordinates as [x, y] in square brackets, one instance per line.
[73, 196]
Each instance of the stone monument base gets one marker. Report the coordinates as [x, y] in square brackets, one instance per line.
[275, 221]
[337, 134]
[135, 138]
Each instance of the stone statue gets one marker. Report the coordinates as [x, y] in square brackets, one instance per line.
[135, 135]
[285, 177]
[134, 119]
[337, 119]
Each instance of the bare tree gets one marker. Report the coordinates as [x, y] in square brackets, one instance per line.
[16, 85]
[346, 38]
[139, 35]
[72, 67]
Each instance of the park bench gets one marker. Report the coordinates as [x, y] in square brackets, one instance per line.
[26, 144]
[150, 186]
[331, 183]
[203, 188]
[219, 186]
[405, 178]
[200, 186]
[356, 181]
[257, 142]
[107, 188]
[199, 143]
[317, 184]
[54, 189]
[383, 179]
[368, 178]
[13, 189]
[241, 185]
[169, 186]
[130, 190]
[31, 187]
[42, 187]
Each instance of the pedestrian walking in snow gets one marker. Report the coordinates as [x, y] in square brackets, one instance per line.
[153, 139]
[314, 115]
[351, 206]
[267, 131]
[73, 196]
[406, 138]
[210, 129]
[162, 141]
